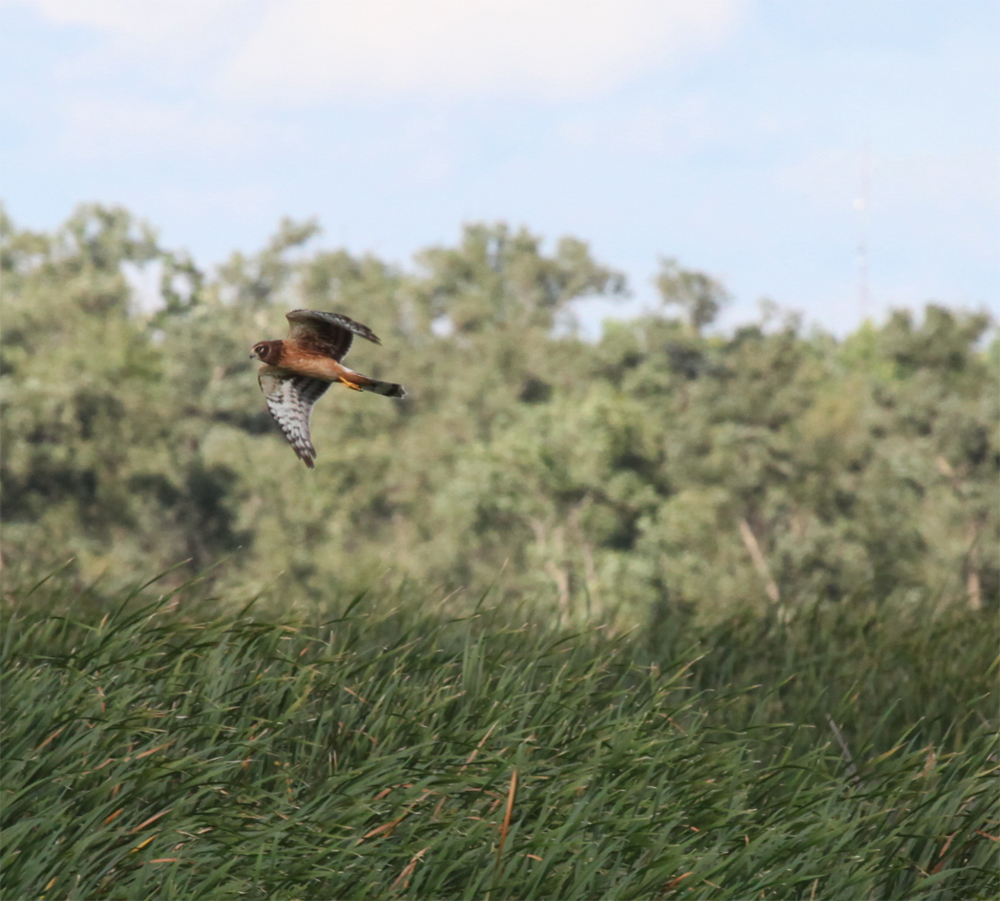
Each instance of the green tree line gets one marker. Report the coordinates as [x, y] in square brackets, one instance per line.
[665, 466]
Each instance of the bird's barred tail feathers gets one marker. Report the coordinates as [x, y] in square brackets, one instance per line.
[387, 389]
[360, 382]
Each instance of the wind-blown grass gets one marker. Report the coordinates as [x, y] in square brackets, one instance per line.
[395, 754]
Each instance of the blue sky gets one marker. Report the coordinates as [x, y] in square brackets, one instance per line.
[732, 135]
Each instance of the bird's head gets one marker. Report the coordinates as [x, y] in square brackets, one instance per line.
[266, 351]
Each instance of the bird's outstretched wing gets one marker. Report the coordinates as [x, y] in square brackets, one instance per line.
[290, 399]
[328, 333]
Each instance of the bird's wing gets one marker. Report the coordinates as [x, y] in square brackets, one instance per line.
[329, 333]
[290, 399]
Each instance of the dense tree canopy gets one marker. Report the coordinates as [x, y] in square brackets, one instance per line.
[661, 467]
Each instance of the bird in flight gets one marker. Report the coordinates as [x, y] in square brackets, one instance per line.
[298, 369]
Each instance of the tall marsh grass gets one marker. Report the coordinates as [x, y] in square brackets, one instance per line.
[186, 753]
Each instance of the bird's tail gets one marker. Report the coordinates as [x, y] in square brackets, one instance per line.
[359, 382]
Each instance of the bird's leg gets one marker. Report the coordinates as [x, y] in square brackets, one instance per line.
[350, 385]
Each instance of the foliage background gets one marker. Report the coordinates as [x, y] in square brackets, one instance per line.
[661, 468]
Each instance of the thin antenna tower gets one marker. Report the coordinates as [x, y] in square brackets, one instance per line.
[861, 204]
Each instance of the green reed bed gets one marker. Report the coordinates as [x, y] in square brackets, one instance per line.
[387, 754]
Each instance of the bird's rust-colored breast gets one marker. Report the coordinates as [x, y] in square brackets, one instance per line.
[315, 365]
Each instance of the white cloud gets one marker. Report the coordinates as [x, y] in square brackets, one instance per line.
[309, 50]
[304, 50]
[144, 21]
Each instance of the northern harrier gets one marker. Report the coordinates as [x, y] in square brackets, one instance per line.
[298, 369]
